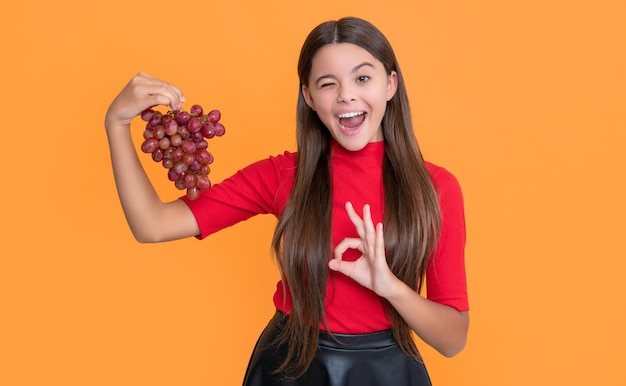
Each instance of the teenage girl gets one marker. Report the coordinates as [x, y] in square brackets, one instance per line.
[364, 223]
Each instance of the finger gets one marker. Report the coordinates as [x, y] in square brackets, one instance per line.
[157, 86]
[370, 231]
[345, 244]
[345, 267]
[178, 93]
[160, 99]
[368, 224]
[175, 97]
[355, 218]
[145, 75]
[337, 263]
[380, 241]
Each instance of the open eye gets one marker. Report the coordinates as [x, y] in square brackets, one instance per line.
[362, 79]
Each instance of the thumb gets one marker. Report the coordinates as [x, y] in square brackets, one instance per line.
[342, 266]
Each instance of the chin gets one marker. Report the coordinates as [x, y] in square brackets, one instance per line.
[351, 144]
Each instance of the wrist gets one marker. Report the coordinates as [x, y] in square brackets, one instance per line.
[111, 126]
[396, 289]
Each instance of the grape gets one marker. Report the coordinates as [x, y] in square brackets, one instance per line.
[155, 120]
[195, 166]
[189, 158]
[166, 118]
[193, 193]
[214, 116]
[208, 130]
[204, 156]
[197, 137]
[149, 145]
[171, 127]
[147, 115]
[180, 167]
[177, 140]
[168, 163]
[182, 117]
[157, 155]
[190, 180]
[202, 144]
[203, 182]
[158, 132]
[219, 129]
[177, 154]
[189, 146]
[164, 143]
[184, 132]
[194, 124]
[172, 175]
[179, 183]
[196, 110]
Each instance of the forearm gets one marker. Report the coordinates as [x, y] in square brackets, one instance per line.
[149, 218]
[442, 327]
[139, 200]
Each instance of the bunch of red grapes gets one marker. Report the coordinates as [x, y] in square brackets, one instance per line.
[177, 139]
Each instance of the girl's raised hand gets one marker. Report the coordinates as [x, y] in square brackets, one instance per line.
[141, 92]
[371, 269]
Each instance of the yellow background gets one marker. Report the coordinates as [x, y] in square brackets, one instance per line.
[524, 101]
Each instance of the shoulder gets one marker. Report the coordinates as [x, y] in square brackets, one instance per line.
[270, 174]
[441, 177]
[286, 159]
[280, 162]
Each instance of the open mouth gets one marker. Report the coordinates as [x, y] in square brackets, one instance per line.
[352, 120]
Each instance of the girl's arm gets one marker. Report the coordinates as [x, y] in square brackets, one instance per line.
[442, 327]
[150, 219]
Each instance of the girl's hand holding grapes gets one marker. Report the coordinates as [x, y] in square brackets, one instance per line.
[142, 91]
[175, 139]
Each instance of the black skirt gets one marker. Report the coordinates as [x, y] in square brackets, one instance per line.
[356, 360]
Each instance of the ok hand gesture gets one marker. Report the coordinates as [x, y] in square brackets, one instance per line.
[371, 269]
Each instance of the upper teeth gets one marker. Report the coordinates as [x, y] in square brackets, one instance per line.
[350, 115]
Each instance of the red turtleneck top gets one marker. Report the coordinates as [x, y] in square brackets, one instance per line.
[264, 188]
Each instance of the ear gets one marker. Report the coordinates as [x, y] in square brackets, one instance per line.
[392, 85]
[307, 97]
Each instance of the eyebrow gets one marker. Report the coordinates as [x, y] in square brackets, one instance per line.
[355, 69]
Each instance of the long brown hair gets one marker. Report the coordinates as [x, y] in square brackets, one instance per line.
[302, 239]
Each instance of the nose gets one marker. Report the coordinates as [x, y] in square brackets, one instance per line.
[346, 94]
